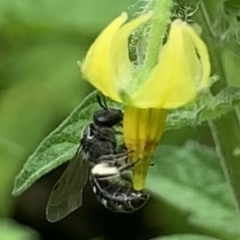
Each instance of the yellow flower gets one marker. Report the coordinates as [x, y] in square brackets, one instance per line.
[182, 71]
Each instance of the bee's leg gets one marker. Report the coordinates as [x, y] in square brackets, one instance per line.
[109, 177]
[120, 124]
[116, 161]
[118, 132]
[115, 158]
[122, 148]
[127, 166]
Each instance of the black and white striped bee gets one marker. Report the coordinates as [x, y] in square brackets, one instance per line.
[113, 188]
[98, 158]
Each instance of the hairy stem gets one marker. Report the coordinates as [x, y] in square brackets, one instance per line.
[159, 21]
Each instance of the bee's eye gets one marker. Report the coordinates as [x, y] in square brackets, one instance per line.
[108, 118]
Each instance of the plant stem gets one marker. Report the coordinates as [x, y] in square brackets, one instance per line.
[226, 130]
[226, 135]
[148, 123]
[159, 21]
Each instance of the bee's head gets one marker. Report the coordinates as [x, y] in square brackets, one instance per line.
[107, 117]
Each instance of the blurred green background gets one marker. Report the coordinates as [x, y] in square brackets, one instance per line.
[40, 84]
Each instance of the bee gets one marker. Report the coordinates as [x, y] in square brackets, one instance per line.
[97, 150]
[113, 188]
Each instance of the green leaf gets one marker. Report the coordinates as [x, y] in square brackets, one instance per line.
[190, 179]
[187, 178]
[225, 20]
[185, 237]
[59, 146]
[9, 230]
[207, 107]
[222, 103]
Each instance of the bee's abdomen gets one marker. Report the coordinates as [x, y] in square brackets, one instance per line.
[118, 197]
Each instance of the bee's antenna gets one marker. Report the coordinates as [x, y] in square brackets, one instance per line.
[105, 103]
[102, 104]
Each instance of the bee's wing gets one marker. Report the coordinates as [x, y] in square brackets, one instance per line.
[66, 195]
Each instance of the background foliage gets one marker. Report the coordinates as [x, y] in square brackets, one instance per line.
[40, 84]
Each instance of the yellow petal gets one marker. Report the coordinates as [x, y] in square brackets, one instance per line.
[98, 67]
[203, 55]
[142, 129]
[174, 81]
[107, 66]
